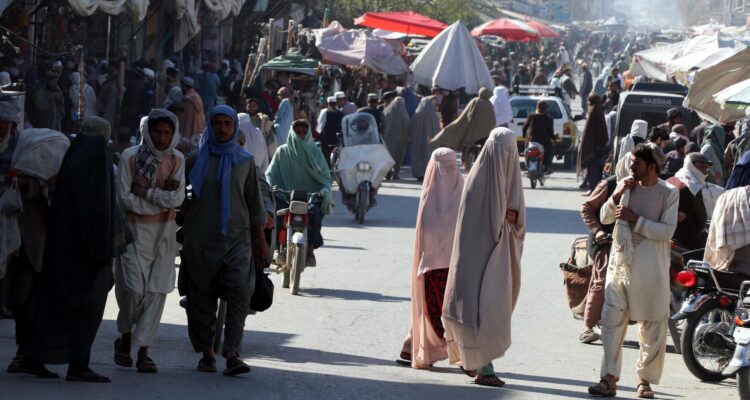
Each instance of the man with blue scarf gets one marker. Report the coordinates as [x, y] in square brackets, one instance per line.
[223, 217]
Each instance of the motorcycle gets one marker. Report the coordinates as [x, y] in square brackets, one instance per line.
[710, 299]
[534, 155]
[678, 257]
[740, 364]
[362, 163]
[290, 255]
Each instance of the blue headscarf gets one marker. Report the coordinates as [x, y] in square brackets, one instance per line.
[741, 174]
[230, 154]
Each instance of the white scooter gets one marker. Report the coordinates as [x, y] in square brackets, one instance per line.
[362, 163]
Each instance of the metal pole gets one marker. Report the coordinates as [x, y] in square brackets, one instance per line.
[289, 35]
[109, 30]
[81, 83]
[271, 34]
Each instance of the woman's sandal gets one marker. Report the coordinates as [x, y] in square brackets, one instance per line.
[207, 364]
[404, 359]
[644, 391]
[470, 373]
[122, 358]
[602, 389]
[489, 380]
[15, 365]
[146, 365]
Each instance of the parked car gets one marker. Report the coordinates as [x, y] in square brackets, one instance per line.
[565, 128]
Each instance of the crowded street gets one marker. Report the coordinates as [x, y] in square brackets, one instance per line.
[399, 199]
[339, 338]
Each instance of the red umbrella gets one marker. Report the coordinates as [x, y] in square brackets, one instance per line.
[407, 22]
[511, 30]
[544, 30]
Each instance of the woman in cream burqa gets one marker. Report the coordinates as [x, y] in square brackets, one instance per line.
[436, 219]
[474, 124]
[484, 276]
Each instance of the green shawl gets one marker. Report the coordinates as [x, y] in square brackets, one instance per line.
[299, 165]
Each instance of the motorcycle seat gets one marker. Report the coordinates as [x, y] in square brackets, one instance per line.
[730, 281]
[299, 195]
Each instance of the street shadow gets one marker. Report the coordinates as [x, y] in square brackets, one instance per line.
[351, 295]
[334, 246]
[392, 211]
[553, 220]
[551, 379]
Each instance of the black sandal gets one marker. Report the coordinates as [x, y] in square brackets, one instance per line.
[37, 369]
[146, 365]
[207, 364]
[404, 359]
[235, 366]
[122, 358]
[470, 373]
[88, 376]
[489, 380]
[15, 365]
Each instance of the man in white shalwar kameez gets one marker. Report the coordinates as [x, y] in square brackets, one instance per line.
[150, 185]
[644, 210]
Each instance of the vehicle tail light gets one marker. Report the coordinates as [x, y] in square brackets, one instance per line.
[535, 153]
[282, 235]
[725, 301]
[687, 279]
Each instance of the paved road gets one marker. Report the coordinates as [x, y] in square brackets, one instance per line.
[338, 339]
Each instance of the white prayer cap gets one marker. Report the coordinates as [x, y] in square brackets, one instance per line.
[332, 99]
[340, 95]
[149, 73]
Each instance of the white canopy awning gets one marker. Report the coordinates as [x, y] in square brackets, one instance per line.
[711, 80]
[136, 8]
[452, 60]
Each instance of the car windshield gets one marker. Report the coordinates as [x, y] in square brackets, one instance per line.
[358, 129]
[522, 108]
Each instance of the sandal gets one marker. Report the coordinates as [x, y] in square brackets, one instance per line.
[88, 376]
[602, 389]
[470, 373]
[207, 364]
[146, 365]
[235, 366]
[489, 380]
[122, 358]
[404, 359]
[15, 365]
[644, 391]
[37, 369]
[588, 336]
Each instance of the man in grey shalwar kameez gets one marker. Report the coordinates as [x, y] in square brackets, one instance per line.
[424, 125]
[223, 226]
[396, 126]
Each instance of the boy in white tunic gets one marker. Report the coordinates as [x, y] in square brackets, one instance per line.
[644, 210]
[150, 185]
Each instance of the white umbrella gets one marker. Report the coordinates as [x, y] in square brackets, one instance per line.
[713, 79]
[452, 60]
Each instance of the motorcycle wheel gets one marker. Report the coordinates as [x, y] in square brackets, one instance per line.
[363, 200]
[533, 183]
[298, 263]
[695, 353]
[743, 383]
